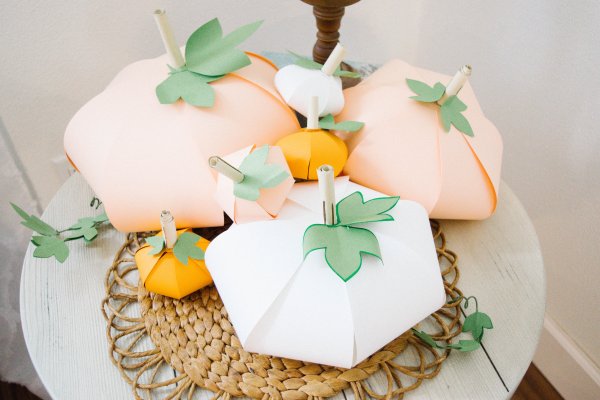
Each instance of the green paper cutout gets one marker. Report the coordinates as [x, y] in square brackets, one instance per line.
[344, 247]
[50, 243]
[49, 246]
[328, 123]
[345, 244]
[354, 210]
[189, 86]
[450, 111]
[186, 248]
[426, 93]
[209, 56]
[157, 243]
[258, 175]
[308, 63]
[474, 323]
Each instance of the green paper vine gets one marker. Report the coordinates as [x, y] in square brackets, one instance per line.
[450, 111]
[50, 243]
[258, 175]
[328, 123]
[308, 63]
[209, 56]
[344, 243]
[184, 248]
[474, 323]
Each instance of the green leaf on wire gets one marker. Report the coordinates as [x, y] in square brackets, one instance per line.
[258, 174]
[49, 246]
[34, 223]
[328, 123]
[186, 248]
[308, 63]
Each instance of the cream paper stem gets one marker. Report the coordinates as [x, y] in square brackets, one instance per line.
[169, 229]
[226, 169]
[334, 60]
[175, 57]
[457, 83]
[312, 118]
[327, 189]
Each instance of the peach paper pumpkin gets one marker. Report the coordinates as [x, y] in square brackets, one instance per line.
[403, 149]
[141, 157]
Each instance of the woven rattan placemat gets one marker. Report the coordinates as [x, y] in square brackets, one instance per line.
[170, 349]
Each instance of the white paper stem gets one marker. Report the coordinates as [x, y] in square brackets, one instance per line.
[327, 189]
[169, 229]
[457, 83]
[224, 168]
[175, 57]
[335, 59]
[312, 119]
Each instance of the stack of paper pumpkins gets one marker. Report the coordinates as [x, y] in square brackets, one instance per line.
[212, 130]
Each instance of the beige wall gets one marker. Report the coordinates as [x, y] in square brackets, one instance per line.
[536, 71]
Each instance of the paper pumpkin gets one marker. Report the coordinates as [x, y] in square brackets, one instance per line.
[404, 150]
[267, 188]
[164, 273]
[140, 156]
[300, 308]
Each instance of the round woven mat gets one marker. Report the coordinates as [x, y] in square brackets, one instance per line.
[172, 349]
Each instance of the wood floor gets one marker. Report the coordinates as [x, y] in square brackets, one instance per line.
[534, 386]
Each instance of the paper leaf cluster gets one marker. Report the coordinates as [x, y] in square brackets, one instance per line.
[184, 248]
[344, 243]
[474, 323]
[308, 63]
[209, 56]
[450, 112]
[258, 175]
[328, 123]
[50, 243]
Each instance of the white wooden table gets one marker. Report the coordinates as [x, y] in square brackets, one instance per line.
[499, 260]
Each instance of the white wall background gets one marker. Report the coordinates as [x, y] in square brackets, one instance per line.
[536, 72]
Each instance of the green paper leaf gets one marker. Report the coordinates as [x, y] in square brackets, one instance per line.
[328, 123]
[157, 243]
[465, 345]
[309, 63]
[476, 323]
[207, 52]
[101, 218]
[426, 338]
[258, 174]
[34, 223]
[344, 247]
[186, 248]
[424, 92]
[50, 246]
[451, 113]
[353, 209]
[191, 87]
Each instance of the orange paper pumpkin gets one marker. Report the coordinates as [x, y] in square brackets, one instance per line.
[164, 274]
[308, 149]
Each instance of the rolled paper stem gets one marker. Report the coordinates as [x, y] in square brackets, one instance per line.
[312, 118]
[457, 83]
[169, 229]
[175, 57]
[334, 60]
[325, 175]
[223, 167]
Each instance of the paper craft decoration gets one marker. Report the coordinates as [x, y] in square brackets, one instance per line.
[403, 149]
[260, 191]
[299, 308]
[173, 269]
[297, 83]
[141, 157]
[208, 57]
[313, 146]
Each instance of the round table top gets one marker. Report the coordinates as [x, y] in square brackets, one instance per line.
[499, 260]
